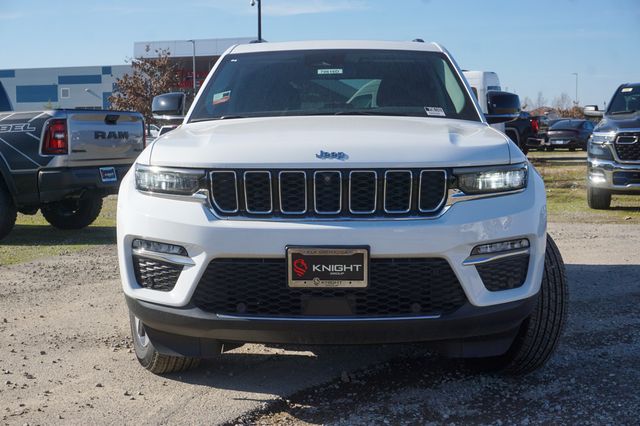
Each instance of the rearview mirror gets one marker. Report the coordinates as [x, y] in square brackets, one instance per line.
[169, 106]
[592, 111]
[502, 107]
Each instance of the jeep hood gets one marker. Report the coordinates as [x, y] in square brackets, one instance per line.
[367, 141]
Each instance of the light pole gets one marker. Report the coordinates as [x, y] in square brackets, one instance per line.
[576, 74]
[194, 65]
[253, 3]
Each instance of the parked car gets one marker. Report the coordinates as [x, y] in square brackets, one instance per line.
[285, 210]
[63, 162]
[613, 157]
[569, 133]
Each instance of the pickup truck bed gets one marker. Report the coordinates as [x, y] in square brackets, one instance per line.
[56, 160]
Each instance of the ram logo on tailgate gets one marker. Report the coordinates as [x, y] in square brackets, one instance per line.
[111, 135]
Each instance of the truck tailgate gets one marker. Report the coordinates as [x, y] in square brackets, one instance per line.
[104, 135]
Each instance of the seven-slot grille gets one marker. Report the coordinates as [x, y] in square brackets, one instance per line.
[328, 193]
[628, 146]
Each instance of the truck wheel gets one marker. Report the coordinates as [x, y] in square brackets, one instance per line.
[539, 334]
[8, 212]
[599, 199]
[150, 358]
[73, 213]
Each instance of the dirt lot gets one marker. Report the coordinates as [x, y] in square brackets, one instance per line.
[65, 357]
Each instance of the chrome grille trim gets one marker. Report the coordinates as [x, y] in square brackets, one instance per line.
[375, 192]
[315, 197]
[246, 201]
[304, 174]
[444, 192]
[235, 184]
[386, 173]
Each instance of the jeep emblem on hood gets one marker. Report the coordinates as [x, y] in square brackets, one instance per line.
[324, 155]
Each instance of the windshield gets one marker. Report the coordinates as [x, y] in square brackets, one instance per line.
[626, 100]
[328, 82]
[567, 124]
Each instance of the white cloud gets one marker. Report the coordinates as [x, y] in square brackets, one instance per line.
[308, 7]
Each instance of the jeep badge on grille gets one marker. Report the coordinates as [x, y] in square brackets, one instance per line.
[324, 155]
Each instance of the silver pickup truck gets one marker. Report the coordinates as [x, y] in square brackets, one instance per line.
[64, 162]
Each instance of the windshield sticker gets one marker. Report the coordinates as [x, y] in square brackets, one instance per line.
[435, 111]
[222, 97]
[627, 89]
[329, 71]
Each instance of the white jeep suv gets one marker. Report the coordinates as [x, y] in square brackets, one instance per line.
[338, 193]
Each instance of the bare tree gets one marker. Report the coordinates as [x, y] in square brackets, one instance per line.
[541, 101]
[563, 102]
[528, 103]
[150, 77]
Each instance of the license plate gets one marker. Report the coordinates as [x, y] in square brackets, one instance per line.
[108, 174]
[309, 267]
[559, 142]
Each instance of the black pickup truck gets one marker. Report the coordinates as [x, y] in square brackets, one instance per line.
[63, 162]
[613, 151]
[528, 131]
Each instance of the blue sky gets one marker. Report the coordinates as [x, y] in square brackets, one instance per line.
[534, 46]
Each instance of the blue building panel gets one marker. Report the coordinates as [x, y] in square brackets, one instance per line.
[106, 70]
[80, 79]
[105, 100]
[37, 93]
[7, 73]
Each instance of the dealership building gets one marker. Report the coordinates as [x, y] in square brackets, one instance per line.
[90, 86]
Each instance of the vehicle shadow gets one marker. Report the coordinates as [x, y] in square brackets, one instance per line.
[323, 381]
[42, 235]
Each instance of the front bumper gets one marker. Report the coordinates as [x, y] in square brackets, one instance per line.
[58, 184]
[191, 332]
[616, 177]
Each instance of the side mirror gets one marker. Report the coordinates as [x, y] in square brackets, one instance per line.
[502, 107]
[169, 106]
[592, 111]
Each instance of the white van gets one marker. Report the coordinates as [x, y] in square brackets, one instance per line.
[481, 82]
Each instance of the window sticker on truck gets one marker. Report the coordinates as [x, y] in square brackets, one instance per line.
[627, 89]
[329, 71]
[222, 97]
[435, 111]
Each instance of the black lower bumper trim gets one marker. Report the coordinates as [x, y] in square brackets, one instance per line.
[57, 184]
[468, 322]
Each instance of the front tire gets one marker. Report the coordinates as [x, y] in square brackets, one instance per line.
[73, 213]
[538, 335]
[150, 358]
[598, 199]
[8, 212]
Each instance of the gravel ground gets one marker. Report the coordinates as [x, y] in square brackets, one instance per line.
[66, 357]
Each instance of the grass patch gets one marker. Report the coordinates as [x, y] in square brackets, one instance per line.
[566, 185]
[34, 238]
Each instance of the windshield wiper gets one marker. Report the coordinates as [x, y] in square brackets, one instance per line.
[361, 112]
[223, 117]
[631, 111]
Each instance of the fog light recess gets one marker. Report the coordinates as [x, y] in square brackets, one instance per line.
[156, 247]
[500, 247]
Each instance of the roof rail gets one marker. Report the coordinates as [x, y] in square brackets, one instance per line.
[418, 40]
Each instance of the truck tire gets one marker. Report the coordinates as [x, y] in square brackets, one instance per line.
[73, 213]
[598, 199]
[150, 358]
[8, 212]
[538, 335]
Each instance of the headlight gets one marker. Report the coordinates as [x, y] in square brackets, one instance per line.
[602, 138]
[169, 181]
[492, 179]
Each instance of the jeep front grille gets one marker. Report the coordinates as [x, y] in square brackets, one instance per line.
[397, 287]
[328, 193]
[628, 146]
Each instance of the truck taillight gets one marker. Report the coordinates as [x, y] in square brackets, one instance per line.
[56, 141]
[535, 126]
